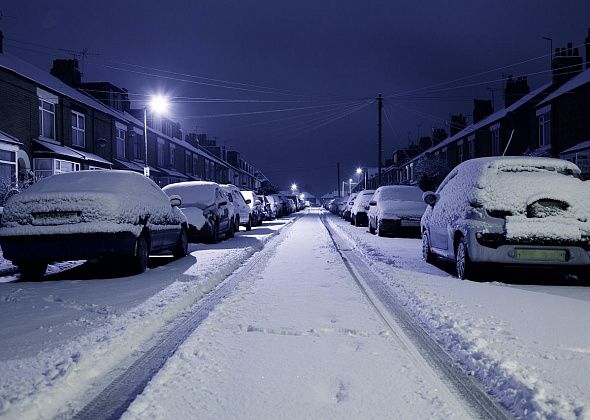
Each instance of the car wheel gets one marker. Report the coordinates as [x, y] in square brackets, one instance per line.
[181, 248]
[465, 267]
[237, 224]
[249, 225]
[371, 228]
[427, 254]
[31, 271]
[139, 260]
[215, 234]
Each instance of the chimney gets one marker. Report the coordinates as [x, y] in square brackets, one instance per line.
[481, 109]
[515, 90]
[67, 71]
[2, 42]
[438, 135]
[587, 46]
[566, 63]
[458, 123]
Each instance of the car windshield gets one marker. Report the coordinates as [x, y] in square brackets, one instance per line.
[402, 194]
[193, 194]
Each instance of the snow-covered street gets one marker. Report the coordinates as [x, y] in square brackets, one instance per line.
[309, 328]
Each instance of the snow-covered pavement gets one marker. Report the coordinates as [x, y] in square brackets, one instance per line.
[59, 336]
[298, 340]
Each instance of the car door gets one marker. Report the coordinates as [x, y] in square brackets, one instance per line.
[222, 210]
[164, 235]
[372, 213]
[440, 216]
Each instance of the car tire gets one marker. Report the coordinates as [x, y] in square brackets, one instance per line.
[380, 231]
[31, 271]
[371, 228]
[237, 224]
[427, 254]
[214, 234]
[465, 267]
[249, 225]
[139, 260]
[181, 248]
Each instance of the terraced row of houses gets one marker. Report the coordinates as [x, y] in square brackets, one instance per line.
[53, 122]
[550, 120]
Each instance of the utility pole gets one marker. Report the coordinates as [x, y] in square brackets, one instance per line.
[338, 166]
[380, 109]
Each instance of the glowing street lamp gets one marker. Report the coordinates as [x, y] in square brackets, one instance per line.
[360, 171]
[293, 188]
[158, 104]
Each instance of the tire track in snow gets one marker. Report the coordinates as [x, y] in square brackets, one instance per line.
[116, 397]
[412, 336]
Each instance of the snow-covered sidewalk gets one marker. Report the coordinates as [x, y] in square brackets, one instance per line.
[298, 340]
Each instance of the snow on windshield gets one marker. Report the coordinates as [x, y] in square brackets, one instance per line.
[193, 193]
[401, 193]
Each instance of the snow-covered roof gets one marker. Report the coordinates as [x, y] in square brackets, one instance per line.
[585, 145]
[7, 138]
[47, 81]
[573, 83]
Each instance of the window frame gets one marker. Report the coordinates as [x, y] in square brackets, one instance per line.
[77, 130]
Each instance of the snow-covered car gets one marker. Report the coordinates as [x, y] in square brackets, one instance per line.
[206, 209]
[88, 215]
[348, 207]
[256, 208]
[243, 211]
[358, 212]
[395, 207]
[511, 211]
[276, 205]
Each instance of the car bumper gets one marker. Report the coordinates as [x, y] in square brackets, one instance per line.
[529, 254]
[393, 225]
[361, 219]
[60, 247]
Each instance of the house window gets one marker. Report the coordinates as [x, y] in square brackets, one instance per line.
[460, 155]
[195, 166]
[544, 129]
[187, 162]
[471, 147]
[120, 142]
[46, 119]
[78, 129]
[495, 131]
[171, 158]
[160, 152]
[138, 145]
[8, 164]
[444, 155]
[45, 167]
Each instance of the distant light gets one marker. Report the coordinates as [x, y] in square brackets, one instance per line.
[350, 180]
[302, 196]
[159, 104]
[359, 171]
[294, 187]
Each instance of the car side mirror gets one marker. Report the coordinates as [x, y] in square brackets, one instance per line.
[367, 207]
[248, 201]
[175, 201]
[430, 198]
[372, 203]
[222, 203]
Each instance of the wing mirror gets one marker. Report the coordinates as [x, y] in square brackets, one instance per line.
[248, 201]
[372, 203]
[430, 198]
[222, 203]
[175, 201]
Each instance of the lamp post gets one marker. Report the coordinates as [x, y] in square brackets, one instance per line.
[158, 104]
[349, 186]
[360, 171]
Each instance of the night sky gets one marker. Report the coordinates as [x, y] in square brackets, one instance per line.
[326, 59]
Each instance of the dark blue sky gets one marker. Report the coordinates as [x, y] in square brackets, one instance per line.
[325, 56]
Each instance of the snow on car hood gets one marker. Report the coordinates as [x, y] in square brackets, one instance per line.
[542, 198]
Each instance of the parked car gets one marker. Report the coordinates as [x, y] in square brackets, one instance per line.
[395, 207]
[266, 208]
[348, 207]
[510, 211]
[243, 211]
[358, 212]
[290, 205]
[91, 214]
[276, 204]
[206, 208]
[255, 207]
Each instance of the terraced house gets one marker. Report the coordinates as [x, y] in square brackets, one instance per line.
[52, 123]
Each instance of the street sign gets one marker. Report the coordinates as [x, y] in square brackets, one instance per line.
[146, 171]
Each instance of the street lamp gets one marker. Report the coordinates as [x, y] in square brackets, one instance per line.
[349, 186]
[360, 171]
[158, 104]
